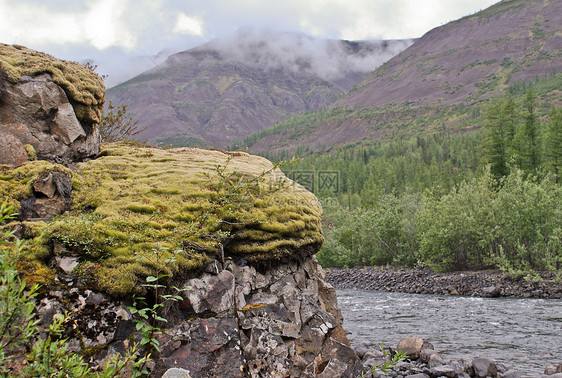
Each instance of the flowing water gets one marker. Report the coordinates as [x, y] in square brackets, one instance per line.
[524, 334]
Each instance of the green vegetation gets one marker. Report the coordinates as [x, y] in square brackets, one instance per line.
[149, 316]
[488, 198]
[554, 142]
[299, 125]
[498, 8]
[49, 356]
[132, 199]
[84, 88]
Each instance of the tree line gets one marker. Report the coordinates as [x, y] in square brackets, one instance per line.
[489, 198]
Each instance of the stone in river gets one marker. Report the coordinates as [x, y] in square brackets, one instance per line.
[443, 371]
[411, 346]
[484, 367]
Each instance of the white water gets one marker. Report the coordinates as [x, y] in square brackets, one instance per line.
[524, 334]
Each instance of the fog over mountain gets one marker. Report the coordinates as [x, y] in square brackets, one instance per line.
[328, 59]
[228, 88]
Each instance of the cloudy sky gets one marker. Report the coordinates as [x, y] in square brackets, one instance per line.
[124, 37]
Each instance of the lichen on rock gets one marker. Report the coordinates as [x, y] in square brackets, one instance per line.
[132, 201]
[83, 87]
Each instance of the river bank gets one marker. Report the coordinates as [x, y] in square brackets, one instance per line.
[487, 284]
[421, 360]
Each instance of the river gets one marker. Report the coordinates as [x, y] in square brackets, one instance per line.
[524, 334]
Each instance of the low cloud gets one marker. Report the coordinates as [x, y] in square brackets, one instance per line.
[300, 53]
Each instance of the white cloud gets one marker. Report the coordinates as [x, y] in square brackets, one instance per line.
[189, 25]
[104, 27]
[100, 25]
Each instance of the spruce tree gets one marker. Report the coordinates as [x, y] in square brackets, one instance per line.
[554, 141]
[500, 120]
[531, 130]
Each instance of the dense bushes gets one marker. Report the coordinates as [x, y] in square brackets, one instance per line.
[383, 234]
[515, 224]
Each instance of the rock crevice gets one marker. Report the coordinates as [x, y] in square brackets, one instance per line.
[234, 321]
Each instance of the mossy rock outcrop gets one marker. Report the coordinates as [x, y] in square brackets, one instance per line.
[84, 88]
[135, 209]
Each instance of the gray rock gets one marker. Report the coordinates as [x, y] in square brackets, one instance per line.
[217, 337]
[502, 368]
[443, 371]
[176, 373]
[491, 291]
[513, 374]
[209, 293]
[52, 197]
[12, 150]
[484, 367]
[344, 353]
[452, 289]
[435, 360]
[418, 375]
[67, 263]
[36, 111]
[411, 346]
[426, 354]
[95, 299]
[361, 350]
[334, 369]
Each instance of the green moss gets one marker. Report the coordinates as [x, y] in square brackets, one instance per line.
[83, 87]
[141, 209]
[117, 223]
[31, 154]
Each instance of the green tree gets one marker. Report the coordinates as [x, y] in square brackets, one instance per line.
[530, 146]
[500, 121]
[554, 141]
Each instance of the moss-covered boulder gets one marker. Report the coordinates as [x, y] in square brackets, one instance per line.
[136, 210]
[83, 87]
[49, 108]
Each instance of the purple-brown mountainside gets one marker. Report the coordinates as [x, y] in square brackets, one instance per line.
[227, 89]
[435, 81]
[452, 63]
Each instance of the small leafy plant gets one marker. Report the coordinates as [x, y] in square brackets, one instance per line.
[149, 317]
[391, 360]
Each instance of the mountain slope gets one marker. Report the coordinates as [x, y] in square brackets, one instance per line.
[435, 81]
[226, 89]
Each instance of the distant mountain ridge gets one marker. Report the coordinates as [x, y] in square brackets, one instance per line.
[438, 78]
[226, 89]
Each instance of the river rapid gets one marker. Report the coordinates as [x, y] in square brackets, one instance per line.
[524, 334]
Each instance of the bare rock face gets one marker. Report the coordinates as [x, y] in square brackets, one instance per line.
[36, 112]
[233, 321]
[51, 197]
[12, 151]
